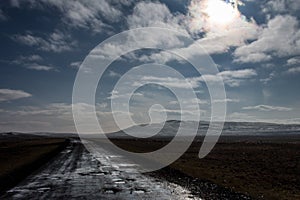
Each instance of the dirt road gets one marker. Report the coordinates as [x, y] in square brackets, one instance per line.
[77, 174]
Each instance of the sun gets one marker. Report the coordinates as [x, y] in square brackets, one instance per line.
[220, 12]
[213, 15]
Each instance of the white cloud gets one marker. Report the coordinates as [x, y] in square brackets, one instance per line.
[182, 52]
[253, 58]
[55, 117]
[113, 74]
[195, 101]
[115, 95]
[62, 109]
[8, 94]
[178, 112]
[144, 38]
[280, 38]
[34, 58]
[78, 14]
[148, 14]
[214, 41]
[271, 76]
[49, 118]
[294, 70]
[243, 73]
[25, 59]
[75, 65]
[267, 108]
[220, 41]
[281, 6]
[227, 100]
[29, 40]
[31, 62]
[293, 61]
[55, 42]
[232, 78]
[40, 67]
[103, 105]
[219, 37]
[170, 82]
[161, 17]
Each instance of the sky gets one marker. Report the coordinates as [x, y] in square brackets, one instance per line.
[254, 44]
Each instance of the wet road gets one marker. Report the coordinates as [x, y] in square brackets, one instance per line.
[77, 174]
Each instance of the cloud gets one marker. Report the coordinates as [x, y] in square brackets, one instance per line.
[15, 3]
[227, 100]
[161, 17]
[294, 70]
[243, 73]
[75, 65]
[253, 58]
[267, 108]
[213, 42]
[160, 40]
[29, 40]
[25, 59]
[103, 105]
[218, 43]
[48, 118]
[148, 14]
[2, 16]
[61, 109]
[8, 94]
[170, 82]
[34, 58]
[232, 78]
[219, 37]
[40, 67]
[31, 62]
[197, 101]
[177, 112]
[55, 42]
[281, 7]
[115, 95]
[280, 38]
[78, 14]
[271, 76]
[293, 61]
[56, 117]
[113, 74]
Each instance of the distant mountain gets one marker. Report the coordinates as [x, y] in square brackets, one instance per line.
[14, 135]
[169, 129]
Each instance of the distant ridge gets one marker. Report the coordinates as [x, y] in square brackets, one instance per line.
[230, 128]
[170, 127]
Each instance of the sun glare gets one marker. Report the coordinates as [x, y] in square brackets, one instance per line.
[213, 14]
[220, 12]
